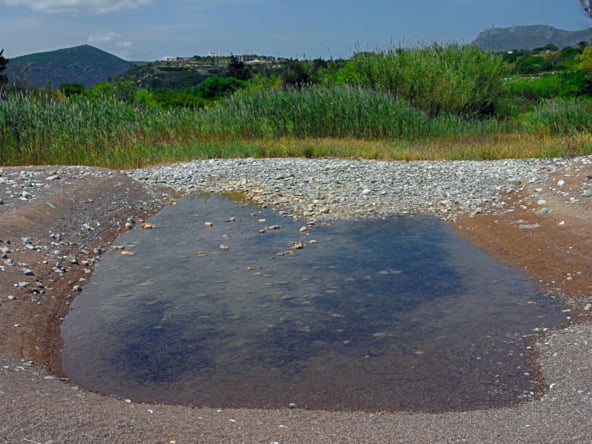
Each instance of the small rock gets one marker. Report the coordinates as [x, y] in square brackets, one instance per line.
[528, 226]
[224, 247]
[28, 272]
[297, 245]
[587, 193]
[208, 224]
[72, 259]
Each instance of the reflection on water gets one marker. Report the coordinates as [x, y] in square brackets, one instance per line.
[371, 314]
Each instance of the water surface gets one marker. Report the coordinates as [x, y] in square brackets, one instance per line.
[371, 314]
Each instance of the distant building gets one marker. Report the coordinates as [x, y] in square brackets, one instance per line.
[246, 58]
[214, 54]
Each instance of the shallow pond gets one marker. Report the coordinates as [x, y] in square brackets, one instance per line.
[225, 304]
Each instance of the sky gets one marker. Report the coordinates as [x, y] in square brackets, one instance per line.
[147, 30]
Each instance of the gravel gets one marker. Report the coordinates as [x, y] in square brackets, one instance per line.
[336, 188]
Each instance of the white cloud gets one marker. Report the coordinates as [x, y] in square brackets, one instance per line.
[96, 6]
[103, 37]
[124, 44]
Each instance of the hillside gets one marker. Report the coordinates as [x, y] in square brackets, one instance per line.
[185, 72]
[529, 37]
[84, 64]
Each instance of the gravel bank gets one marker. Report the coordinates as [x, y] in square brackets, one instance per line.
[335, 188]
[526, 212]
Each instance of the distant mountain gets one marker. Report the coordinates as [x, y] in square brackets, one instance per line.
[83, 64]
[529, 37]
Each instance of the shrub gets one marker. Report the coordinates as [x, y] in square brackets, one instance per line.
[438, 79]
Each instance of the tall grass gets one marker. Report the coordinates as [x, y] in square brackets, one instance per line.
[558, 117]
[341, 121]
[83, 130]
[343, 111]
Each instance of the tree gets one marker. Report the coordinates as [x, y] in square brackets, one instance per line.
[3, 63]
[238, 69]
[72, 89]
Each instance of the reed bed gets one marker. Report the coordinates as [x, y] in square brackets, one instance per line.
[342, 121]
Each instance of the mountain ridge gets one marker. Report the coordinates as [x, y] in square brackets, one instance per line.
[529, 37]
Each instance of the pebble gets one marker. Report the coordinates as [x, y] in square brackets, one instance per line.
[329, 189]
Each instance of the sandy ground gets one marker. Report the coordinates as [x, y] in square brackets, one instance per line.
[82, 211]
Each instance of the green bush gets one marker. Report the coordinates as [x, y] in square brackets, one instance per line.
[437, 79]
[521, 95]
[216, 87]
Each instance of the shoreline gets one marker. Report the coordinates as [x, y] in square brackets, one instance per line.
[38, 406]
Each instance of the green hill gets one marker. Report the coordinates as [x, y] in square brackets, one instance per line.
[82, 64]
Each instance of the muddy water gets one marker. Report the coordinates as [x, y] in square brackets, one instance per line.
[372, 314]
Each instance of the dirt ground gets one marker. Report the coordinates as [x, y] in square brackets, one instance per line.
[56, 221]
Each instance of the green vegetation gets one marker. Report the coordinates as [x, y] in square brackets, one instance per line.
[447, 102]
[451, 79]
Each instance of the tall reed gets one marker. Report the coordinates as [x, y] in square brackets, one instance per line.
[560, 117]
[450, 79]
[342, 111]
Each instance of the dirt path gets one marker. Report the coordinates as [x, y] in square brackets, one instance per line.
[53, 229]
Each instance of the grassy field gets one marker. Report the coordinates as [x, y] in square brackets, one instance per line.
[336, 121]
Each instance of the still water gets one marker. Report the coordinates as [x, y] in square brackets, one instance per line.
[219, 306]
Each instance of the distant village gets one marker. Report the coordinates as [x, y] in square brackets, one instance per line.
[244, 58]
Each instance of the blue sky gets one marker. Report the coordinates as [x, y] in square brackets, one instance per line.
[151, 29]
